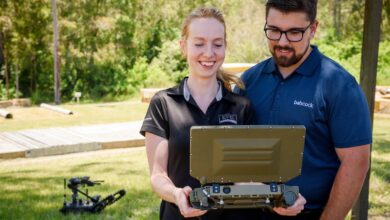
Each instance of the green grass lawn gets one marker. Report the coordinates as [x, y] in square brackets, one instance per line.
[33, 188]
[379, 198]
[83, 114]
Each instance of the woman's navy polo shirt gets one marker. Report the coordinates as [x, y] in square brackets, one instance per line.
[171, 114]
[323, 97]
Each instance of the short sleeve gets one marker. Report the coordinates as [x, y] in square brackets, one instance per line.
[349, 118]
[156, 121]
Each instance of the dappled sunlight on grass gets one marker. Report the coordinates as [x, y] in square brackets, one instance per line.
[32, 188]
[39, 194]
[379, 197]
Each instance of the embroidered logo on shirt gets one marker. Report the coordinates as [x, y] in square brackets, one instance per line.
[304, 104]
[227, 118]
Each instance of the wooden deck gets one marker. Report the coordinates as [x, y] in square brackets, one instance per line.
[63, 140]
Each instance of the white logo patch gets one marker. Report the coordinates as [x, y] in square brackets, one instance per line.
[227, 118]
[304, 104]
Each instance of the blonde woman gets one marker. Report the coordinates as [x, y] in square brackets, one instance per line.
[202, 98]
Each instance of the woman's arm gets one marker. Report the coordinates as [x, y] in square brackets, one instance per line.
[157, 153]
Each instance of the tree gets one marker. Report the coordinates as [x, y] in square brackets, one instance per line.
[57, 79]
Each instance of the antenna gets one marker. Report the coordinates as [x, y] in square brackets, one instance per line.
[64, 191]
[86, 191]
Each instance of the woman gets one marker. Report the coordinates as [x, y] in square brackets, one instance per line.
[202, 98]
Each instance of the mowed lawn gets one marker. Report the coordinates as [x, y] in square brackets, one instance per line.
[33, 188]
[379, 200]
[83, 114]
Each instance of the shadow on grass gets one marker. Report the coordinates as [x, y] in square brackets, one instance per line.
[19, 172]
[103, 166]
[382, 169]
[23, 172]
[381, 146]
[42, 198]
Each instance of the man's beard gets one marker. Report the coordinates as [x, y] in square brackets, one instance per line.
[284, 61]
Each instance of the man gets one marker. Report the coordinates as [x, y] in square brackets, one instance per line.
[300, 86]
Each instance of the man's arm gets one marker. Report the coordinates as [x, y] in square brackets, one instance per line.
[348, 182]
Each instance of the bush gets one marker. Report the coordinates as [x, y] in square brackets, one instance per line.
[136, 76]
[11, 92]
[348, 54]
[171, 61]
[383, 75]
[157, 78]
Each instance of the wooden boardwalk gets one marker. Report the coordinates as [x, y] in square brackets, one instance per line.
[62, 140]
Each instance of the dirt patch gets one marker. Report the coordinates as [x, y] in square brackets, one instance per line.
[15, 102]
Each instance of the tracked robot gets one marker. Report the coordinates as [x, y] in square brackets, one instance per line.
[91, 204]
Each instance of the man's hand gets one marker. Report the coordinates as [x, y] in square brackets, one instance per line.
[293, 210]
[181, 200]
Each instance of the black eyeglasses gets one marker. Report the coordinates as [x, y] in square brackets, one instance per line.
[292, 35]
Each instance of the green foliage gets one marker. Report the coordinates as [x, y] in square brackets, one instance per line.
[3, 92]
[146, 75]
[102, 41]
[40, 96]
[383, 74]
[385, 26]
[157, 78]
[171, 61]
[348, 54]
[246, 42]
[137, 75]
[24, 25]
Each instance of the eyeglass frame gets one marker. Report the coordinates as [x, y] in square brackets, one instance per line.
[302, 31]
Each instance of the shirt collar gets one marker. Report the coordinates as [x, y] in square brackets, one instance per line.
[310, 64]
[183, 90]
[306, 68]
[270, 66]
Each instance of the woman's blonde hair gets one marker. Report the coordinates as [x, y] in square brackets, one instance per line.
[210, 12]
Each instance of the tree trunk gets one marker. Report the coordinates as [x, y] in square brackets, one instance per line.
[368, 71]
[17, 82]
[57, 95]
[1, 49]
[4, 56]
[6, 72]
[337, 17]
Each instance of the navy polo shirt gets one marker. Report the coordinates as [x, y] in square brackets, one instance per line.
[323, 97]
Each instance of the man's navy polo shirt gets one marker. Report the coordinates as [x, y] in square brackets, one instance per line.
[323, 97]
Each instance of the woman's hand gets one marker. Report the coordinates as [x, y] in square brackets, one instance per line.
[181, 199]
[157, 152]
[293, 210]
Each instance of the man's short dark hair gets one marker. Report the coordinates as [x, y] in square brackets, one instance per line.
[309, 7]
